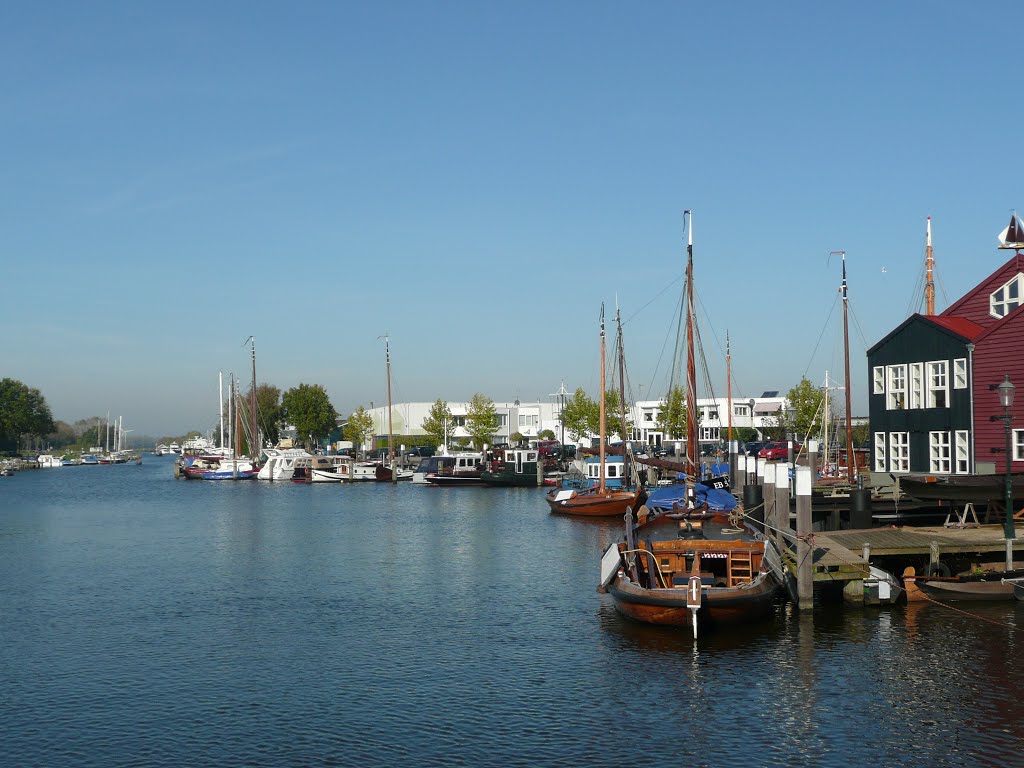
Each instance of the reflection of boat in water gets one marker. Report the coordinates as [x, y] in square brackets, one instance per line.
[728, 579]
[979, 585]
[959, 488]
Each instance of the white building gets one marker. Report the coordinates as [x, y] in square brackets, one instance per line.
[528, 419]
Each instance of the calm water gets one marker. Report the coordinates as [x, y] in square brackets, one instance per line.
[149, 621]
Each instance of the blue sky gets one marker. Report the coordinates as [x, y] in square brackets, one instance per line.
[475, 179]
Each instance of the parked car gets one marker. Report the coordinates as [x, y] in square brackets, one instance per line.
[753, 447]
[777, 451]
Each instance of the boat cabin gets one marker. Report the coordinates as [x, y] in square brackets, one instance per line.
[614, 471]
[719, 563]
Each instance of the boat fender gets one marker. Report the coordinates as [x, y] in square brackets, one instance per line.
[937, 569]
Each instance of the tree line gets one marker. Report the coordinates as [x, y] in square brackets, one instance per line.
[25, 417]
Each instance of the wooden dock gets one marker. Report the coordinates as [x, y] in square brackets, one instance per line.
[838, 556]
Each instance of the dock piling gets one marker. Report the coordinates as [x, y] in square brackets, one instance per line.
[804, 574]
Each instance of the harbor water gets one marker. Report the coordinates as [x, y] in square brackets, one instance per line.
[148, 621]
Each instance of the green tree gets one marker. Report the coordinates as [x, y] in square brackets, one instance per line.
[580, 414]
[439, 424]
[516, 438]
[269, 411]
[613, 416]
[546, 434]
[804, 403]
[359, 428]
[23, 412]
[671, 420]
[481, 420]
[309, 409]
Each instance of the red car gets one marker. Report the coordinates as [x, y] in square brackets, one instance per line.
[777, 451]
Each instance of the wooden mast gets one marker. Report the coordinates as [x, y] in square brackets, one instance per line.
[728, 385]
[254, 443]
[929, 284]
[691, 369]
[600, 488]
[391, 430]
[851, 463]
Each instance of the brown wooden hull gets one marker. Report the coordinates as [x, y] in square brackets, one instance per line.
[719, 605]
[956, 590]
[608, 504]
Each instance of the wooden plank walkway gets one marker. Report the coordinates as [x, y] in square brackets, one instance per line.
[918, 541]
[838, 555]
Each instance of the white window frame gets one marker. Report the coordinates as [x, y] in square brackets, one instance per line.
[917, 385]
[899, 452]
[896, 386]
[1018, 444]
[960, 373]
[939, 453]
[938, 381]
[879, 451]
[1000, 303]
[878, 377]
[963, 452]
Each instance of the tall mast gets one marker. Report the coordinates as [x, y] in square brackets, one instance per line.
[691, 369]
[601, 482]
[254, 442]
[231, 415]
[851, 464]
[929, 284]
[728, 385]
[220, 394]
[391, 433]
[622, 393]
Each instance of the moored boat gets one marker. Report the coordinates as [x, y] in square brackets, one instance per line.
[977, 585]
[516, 467]
[691, 581]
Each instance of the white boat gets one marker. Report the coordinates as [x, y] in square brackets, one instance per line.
[322, 469]
[280, 463]
[174, 448]
[46, 461]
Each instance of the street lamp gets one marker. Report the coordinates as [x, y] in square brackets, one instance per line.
[1006, 390]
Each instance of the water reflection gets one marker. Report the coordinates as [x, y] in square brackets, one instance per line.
[165, 622]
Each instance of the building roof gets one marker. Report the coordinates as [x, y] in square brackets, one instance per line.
[961, 326]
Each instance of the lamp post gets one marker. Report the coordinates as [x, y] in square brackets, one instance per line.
[1006, 390]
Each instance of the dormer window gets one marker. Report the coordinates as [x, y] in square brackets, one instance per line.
[1007, 298]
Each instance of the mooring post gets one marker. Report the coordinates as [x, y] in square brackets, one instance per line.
[812, 459]
[804, 554]
[767, 475]
[933, 553]
[782, 502]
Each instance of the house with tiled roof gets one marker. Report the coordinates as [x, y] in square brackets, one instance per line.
[932, 379]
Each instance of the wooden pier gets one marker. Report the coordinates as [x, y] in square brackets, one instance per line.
[840, 558]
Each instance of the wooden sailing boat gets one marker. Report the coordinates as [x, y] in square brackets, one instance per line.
[681, 577]
[677, 581]
[599, 501]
